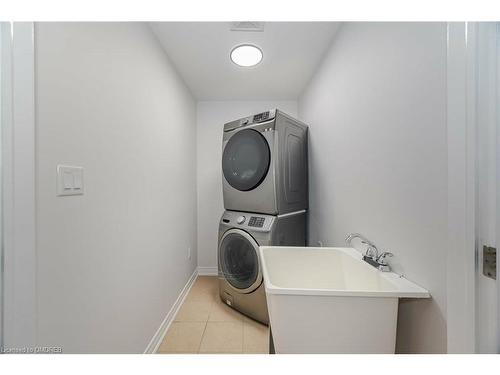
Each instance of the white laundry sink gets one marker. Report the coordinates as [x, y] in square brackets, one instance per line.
[328, 300]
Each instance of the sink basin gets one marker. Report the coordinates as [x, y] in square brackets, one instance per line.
[328, 300]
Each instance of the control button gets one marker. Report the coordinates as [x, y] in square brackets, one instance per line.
[256, 222]
[241, 219]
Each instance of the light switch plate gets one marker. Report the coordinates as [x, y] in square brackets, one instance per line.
[69, 180]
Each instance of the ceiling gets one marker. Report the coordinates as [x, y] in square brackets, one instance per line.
[200, 51]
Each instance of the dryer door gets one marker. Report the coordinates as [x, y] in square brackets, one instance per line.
[239, 260]
[246, 159]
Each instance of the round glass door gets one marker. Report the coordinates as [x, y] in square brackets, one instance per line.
[239, 261]
[246, 159]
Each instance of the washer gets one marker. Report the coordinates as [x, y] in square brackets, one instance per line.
[240, 273]
[264, 164]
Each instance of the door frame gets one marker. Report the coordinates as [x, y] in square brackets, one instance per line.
[461, 128]
[464, 61]
[487, 339]
[4, 89]
[19, 193]
[497, 149]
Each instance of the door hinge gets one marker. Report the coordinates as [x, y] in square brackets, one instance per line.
[490, 262]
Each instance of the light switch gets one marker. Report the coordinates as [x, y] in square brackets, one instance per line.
[69, 180]
[77, 181]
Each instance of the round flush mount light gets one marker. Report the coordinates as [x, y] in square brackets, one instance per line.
[246, 55]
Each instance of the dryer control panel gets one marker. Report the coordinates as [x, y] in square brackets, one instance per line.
[250, 120]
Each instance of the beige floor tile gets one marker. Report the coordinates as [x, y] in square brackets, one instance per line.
[193, 311]
[207, 284]
[222, 337]
[227, 331]
[202, 296]
[255, 337]
[183, 337]
[220, 312]
[205, 289]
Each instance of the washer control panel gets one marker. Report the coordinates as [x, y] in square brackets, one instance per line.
[256, 222]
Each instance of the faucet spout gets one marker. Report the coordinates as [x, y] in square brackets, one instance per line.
[363, 239]
[371, 250]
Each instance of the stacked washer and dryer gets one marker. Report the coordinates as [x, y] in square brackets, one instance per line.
[265, 189]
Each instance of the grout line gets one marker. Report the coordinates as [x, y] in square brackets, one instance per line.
[205, 328]
[242, 337]
[202, 335]
[242, 322]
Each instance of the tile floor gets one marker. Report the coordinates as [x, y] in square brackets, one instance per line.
[204, 324]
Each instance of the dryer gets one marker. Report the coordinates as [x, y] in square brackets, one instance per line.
[240, 273]
[264, 164]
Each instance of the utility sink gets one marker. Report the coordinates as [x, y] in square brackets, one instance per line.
[328, 300]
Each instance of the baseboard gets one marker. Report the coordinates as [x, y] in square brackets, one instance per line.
[207, 271]
[155, 342]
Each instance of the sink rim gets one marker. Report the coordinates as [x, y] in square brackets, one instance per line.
[404, 288]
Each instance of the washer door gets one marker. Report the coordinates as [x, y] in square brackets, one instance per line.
[239, 260]
[246, 159]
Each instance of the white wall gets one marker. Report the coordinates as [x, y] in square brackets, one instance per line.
[378, 158]
[111, 262]
[211, 117]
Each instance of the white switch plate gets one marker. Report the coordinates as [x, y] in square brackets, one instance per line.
[69, 180]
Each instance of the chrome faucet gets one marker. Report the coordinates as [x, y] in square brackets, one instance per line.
[371, 255]
[382, 261]
[371, 249]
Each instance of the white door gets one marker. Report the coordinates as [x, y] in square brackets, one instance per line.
[487, 194]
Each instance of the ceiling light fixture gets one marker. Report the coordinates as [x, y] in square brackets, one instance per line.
[246, 55]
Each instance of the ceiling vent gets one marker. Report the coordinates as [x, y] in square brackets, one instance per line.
[247, 26]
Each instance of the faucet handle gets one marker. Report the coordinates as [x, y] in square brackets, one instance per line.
[382, 258]
[371, 251]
